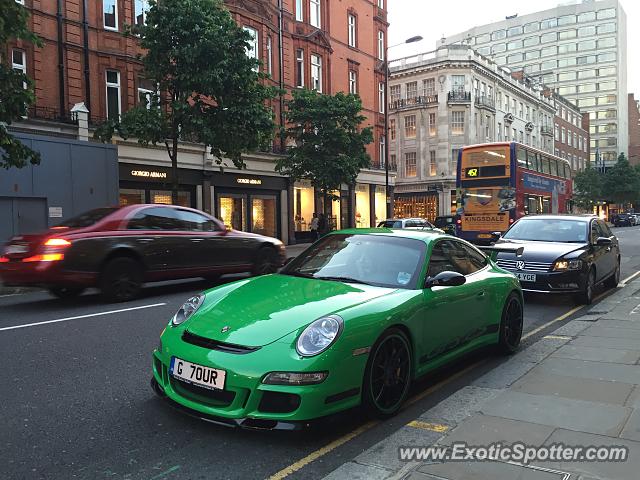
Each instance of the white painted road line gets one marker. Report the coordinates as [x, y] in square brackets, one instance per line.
[14, 327]
[629, 278]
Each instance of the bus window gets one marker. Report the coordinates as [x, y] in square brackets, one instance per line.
[533, 161]
[567, 171]
[522, 157]
[554, 167]
[546, 168]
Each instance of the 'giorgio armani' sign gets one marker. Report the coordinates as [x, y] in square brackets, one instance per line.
[148, 174]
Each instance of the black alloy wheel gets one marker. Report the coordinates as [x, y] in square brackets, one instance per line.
[266, 261]
[511, 325]
[66, 292]
[388, 374]
[586, 296]
[121, 279]
[614, 280]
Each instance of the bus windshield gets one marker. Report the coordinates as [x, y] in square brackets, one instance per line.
[481, 163]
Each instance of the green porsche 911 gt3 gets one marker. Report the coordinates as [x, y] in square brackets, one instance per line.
[352, 320]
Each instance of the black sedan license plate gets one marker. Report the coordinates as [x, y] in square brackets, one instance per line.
[526, 277]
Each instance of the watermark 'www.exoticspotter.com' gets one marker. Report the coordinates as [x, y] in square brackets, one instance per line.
[516, 452]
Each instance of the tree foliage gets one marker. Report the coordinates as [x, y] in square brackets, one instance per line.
[329, 142]
[209, 89]
[14, 97]
[621, 183]
[588, 187]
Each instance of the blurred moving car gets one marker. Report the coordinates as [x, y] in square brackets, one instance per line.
[420, 223]
[117, 249]
[624, 220]
[562, 254]
[446, 223]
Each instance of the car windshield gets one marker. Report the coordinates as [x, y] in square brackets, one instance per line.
[548, 230]
[88, 218]
[390, 224]
[379, 260]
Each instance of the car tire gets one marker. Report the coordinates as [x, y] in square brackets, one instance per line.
[511, 325]
[66, 292]
[613, 280]
[121, 279]
[266, 261]
[391, 354]
[586, 296]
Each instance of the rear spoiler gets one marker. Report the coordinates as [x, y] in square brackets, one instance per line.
[493, 250]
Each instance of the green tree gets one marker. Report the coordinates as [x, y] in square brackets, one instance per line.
[210, 89]
[621, 182]
[588, 188]
[14, 97]
[329, 142]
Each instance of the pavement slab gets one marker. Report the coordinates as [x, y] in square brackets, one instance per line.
[598, 354]
[482, 429]
[627, 470]
[540, 382]
[620, 323]
[357, 471]
[483, 471]
[579, 415]
[540, 350]
[573, 328]
[504, 375]
[600, 330]
[631, 430]
[634, 398]
[614, 372]
[604, 342]
[455, 408]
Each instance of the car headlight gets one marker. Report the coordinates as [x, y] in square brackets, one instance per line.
[562, 265]
[319, 335]
[190, 307]
[294, 378]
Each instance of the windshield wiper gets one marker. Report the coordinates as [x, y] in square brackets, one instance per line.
[344, 279]
[298, 274]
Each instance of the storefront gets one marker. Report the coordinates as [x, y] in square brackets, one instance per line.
[418, 205]
[379, 203]
[248, 202]
[152, 184]
[363, 206]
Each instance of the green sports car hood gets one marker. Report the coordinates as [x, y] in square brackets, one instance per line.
[260, 310]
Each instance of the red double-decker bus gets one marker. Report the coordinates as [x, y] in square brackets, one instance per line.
[497, 183]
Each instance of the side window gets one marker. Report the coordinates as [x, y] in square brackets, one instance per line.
[411, 223]
[450, 255]
[439, 261]
[154, 218]
[195, 222]
[477, 261]
[595, 232]
[604, 228]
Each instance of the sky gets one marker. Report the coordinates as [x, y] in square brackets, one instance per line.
[432, 19]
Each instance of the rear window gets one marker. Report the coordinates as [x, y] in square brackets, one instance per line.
[88, 218]
[390, 224]
[443, 221]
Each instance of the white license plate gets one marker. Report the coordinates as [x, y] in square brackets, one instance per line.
[526, 277]
[206, 377]
[13, 249]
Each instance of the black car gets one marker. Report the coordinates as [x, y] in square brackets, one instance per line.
[447, 223]
[562, 254]
[624, 220]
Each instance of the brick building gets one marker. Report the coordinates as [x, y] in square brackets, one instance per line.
[634, 130]
[329, 46]
[571, 133]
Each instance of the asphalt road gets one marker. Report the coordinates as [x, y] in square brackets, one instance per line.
[76, 403]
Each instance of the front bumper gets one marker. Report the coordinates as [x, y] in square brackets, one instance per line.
[247, 402]
[572, 281]
[43, 274]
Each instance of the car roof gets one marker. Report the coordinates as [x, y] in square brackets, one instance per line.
[585, 217]
[427, 236]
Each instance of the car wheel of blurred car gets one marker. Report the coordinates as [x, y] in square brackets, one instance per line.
[387, 376]
[266, 261]
[121, 279]
[586, 296]
[511, 325]
[613, 280]
[66, 292]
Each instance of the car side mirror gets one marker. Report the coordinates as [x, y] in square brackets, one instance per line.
[496, 235]
[603, 241]
[445, 279]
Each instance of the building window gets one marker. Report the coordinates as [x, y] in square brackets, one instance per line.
[454, 161]
[410, 126]
[352, 30]
[19, 60]
[432, 124]
[433, 164]
[252, 49]
[145, 92]
[392, 128]
[429, 87]
[300, 68]
[380, 45]
[381, 97]
[499, 132]
[381, 3]
[315, 13]
[392, 162]
[269, 56]
[394, 92]
[353, 82]
[141, 9]
[457, 82]
[515, 135]
[457, 122]
[299, 11]
[21, 2]
[410, 166]
[316, 73]
[383, 152]
[110, 14]
[564, 136]
[412, 91]
[113, 95]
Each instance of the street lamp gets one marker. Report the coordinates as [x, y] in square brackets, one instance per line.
[417, 38]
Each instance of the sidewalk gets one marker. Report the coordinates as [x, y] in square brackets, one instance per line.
[579, 386]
